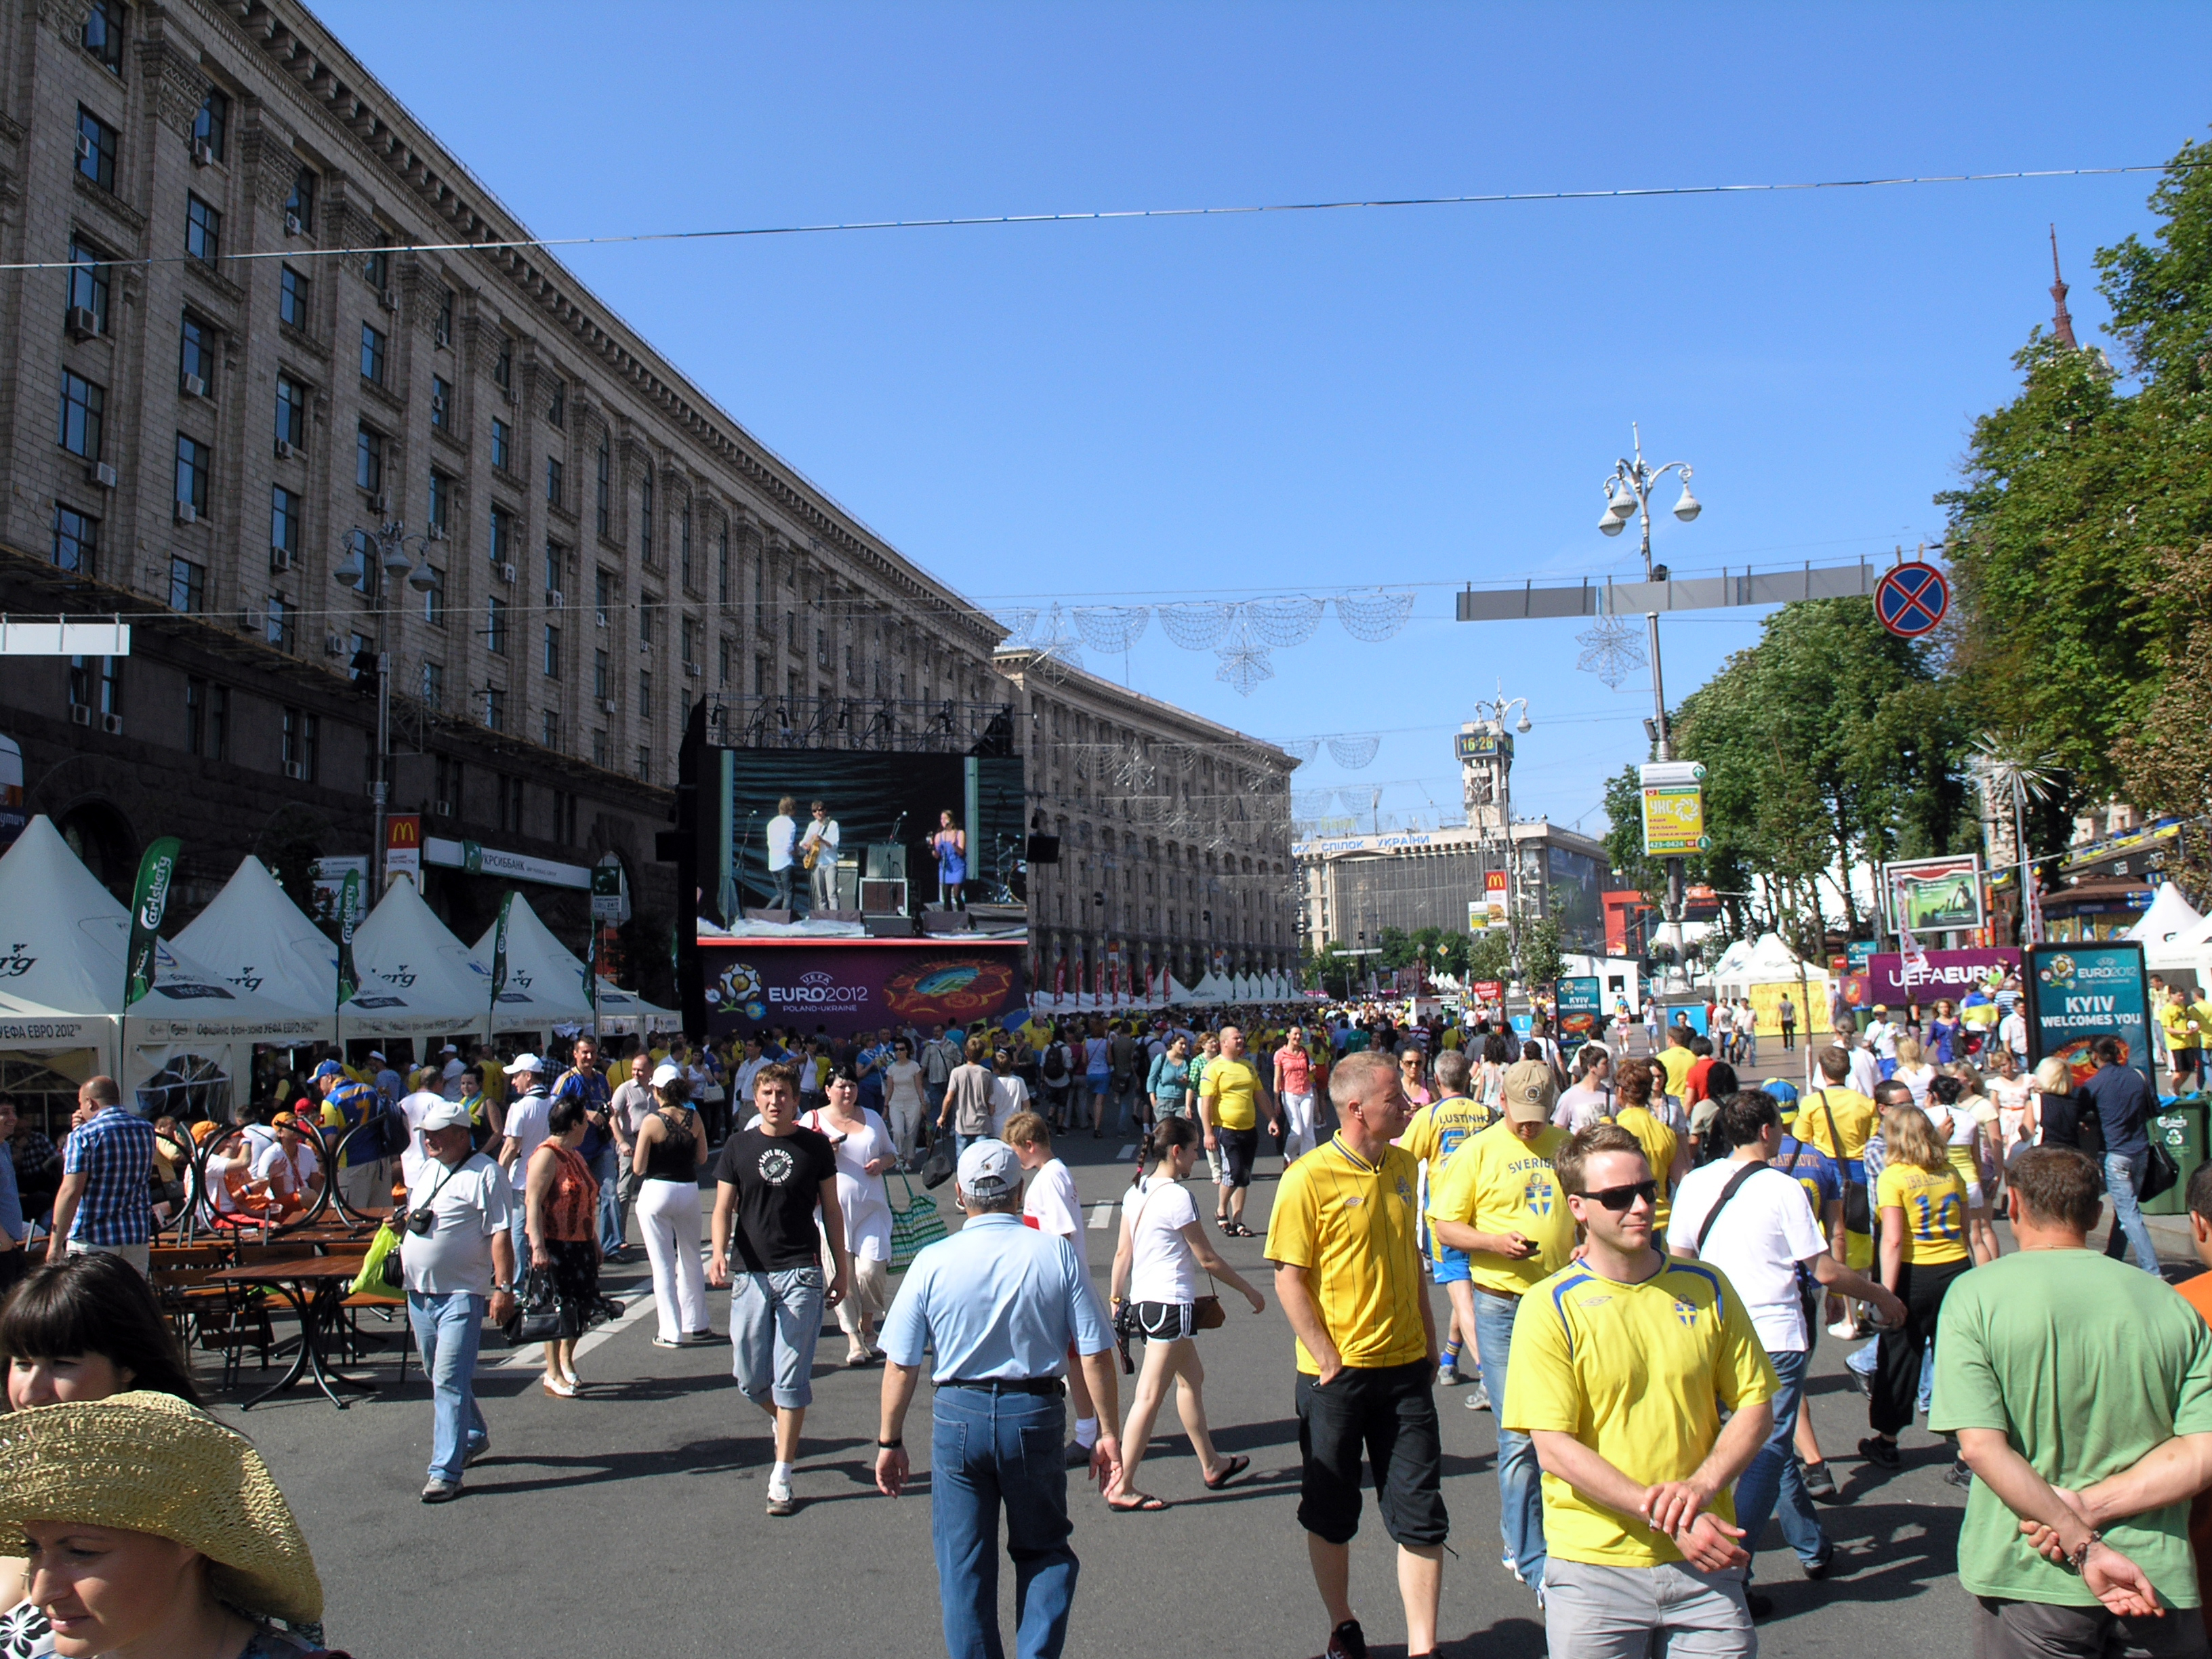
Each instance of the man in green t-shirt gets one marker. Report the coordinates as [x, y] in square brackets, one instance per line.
[2080, 1391]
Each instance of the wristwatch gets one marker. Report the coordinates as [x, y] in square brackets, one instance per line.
[891, 1445]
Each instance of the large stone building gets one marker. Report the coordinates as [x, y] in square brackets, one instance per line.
[263, 408]
[1351, 887]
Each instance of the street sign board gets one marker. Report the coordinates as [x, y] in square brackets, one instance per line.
[1934, 896]
[1674, 809]
[2083, 990]
[1911, 600]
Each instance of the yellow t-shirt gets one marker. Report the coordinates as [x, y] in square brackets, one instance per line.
[2178, 1018]
[1037, 1034]
[1440, 1128]
[1499, 1183]
[1350, 1224]
[1934, 1205]
[1856, 1117]
[1639, 1373]
[1452, 1037]
[1233, 1086]
[1659, 1143]
[1676, 1062]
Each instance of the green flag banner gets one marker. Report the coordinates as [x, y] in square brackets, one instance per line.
[349, 912]
[149, 901]
[499, 949]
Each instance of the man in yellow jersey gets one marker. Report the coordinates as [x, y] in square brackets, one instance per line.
[1667, 1153]
[1229, 1099]
[1623, 1364]
[1837, 1121]
[1675, 1061]
[1437, 1131]
[1348, 1274]
[1498, 1201]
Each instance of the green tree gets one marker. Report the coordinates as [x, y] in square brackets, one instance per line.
[1489, 956]
[1540, 963]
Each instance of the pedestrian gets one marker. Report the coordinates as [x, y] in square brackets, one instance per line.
[903, 1100]
[1433, 1135]
[771, 1178]
[1049, 1203]
[1749, 1219]
[2057, 1112]
[1168, 1081]
[864, 1152]
[1923, 1207]
[14, 1226]
[938, 1056]
[1968, 1123]
[1055, 1076]
[668, 1150]
[1161, 1252]
[1413, 1069]
[560, 1198]
[997, 1305]
[1785, 1013]
[627, 1108]
[601, 1150]
[967, 1096]
[1294, 1088]
[457, 1257]
[529, 1110]
[2081, 1393]
[1840, 1121]
[105, 1203]
[782, 841]
[1229, 1097]
[1342, 1237]
[1628, 1358]
[1592, 1096]
[1499, 1201]
[1666, 1151]
[2121, 1100]
[1009, 1094]
[1123, 1075]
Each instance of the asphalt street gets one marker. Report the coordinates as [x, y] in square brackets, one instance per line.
[631, 1521]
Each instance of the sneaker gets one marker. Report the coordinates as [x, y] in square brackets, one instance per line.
[1882, 1452]
[781, 1503]
[1818, 1565]
[1958, 1474]
[698, 1340]
[1448, 1376]
[1820, 1480]
[1347, 1641]
[483, 1448]
[1479, 1399]
[437, 1490]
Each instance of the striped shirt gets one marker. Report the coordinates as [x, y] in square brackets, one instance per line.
[114, 1152]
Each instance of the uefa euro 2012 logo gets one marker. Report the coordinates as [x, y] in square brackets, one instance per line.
[2058, 973]
[738, 990]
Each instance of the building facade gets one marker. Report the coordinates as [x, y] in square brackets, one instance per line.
[1350, 888]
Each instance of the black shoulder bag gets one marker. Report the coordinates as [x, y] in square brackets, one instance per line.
[1858, 1217]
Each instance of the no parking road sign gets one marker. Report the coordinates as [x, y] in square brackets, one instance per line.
[1911, 600]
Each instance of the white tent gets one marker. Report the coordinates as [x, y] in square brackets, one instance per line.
[1767, 961]
[416, 979]
[2167, 929]
[545, 984]
[254, 936]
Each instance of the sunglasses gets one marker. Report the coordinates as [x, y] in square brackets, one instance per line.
[1618, 1199]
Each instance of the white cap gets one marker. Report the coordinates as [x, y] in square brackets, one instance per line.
[990, 1171]
[446, 1115]
[665, 1073]
[524, 1063]
[376, 1053]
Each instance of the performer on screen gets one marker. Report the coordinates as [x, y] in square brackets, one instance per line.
[782, 836]
[950, 843]
[817, 850]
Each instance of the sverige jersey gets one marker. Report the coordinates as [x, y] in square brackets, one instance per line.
[1498, 1183]
[1640, 1374]
[1350, 1225]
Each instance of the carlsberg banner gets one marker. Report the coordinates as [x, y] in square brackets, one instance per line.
[149, 901]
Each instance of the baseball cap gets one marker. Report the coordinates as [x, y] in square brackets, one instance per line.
[665, 1073]
[446, 1115]
[988, 1169]
[524, 1063]
[376, 1053]
[1529, 1093]
[330, 1068]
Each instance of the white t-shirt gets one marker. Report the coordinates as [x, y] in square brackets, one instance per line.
[1050, 1198]
[1918, 1081]
[1758, 1241]
[270, 1166]
[903, 1085]
[527, 1123]
[1009, 1095]
[1581, 1106]
[2011, 1031]
[747, 1071]
[1162, 1267]
[472, 1205]
[860, 1196]
[1865, 1074]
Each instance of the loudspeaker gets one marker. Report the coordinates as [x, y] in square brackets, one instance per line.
[934, 921]
[889, 927]
[883, 898]
[1044, 849]
[775, 918]
[886, 862]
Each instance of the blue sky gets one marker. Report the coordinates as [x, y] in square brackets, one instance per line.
[1416, 397]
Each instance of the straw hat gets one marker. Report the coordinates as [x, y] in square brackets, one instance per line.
[150, 1462]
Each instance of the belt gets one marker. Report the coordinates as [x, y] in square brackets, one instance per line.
[1052, 1385]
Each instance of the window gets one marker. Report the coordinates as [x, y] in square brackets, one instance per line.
[502, 436]
[564, 803]
[359, 545]
[602, 677]
[441, 403]
[433, 598]
[599, 748]
[195, 352]
[556, 411]
[729, 649]
[372, 355]
[83, 403]
[87, 283]
[97, 682]
[194, 461]
[291, 412]
[554, 564]
[300, 205]
[645, 519]
[202, 230]
[368, 460]
[302, 739]
[376, 267]
[279, 630]
[446, 783]
[644, 764]
[551, 739]
[434, 694]
[77, 540]
[552, 659]
[495, 627]
[501, 543]
[645, 609]
[95, 149]
[103, 34]
[687, 631]
[218, 722]
[495, 709]
[606, 487]
[503, 364]
[508, 803]
[196, 700]
[211, 126]
[187, 587]
[722, 568]
[683, 548]
[438, 513]
[760, 676]
[292, 297]
[287, 529]
[645, 694]
[553, 482]
[602, 593]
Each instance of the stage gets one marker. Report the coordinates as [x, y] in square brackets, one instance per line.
[851, 985]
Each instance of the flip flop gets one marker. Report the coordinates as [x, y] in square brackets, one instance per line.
[1237, 1466]
[1146, 1504]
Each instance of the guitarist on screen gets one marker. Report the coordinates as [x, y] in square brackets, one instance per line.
[817, 852]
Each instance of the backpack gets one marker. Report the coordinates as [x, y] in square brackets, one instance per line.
[1054, 1068]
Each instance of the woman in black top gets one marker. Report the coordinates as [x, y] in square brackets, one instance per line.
[670, 1150]
[2059, 1118]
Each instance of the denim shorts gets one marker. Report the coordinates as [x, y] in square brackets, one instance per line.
[774, 1321]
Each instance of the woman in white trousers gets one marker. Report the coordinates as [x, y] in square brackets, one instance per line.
[670, 1148]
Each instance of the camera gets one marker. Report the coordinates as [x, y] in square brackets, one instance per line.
[418, 1222]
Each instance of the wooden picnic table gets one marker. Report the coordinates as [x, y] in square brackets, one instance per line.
[315, 1286]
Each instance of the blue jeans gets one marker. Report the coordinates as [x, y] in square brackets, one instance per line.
[774, 1321]
[1772, 1485]
[961, 1143]
[605, 1169]
[2123, 1173]
[987, 1450]
[447, 1331]
[1520, 1481]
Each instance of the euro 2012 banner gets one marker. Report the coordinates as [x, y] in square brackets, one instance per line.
[861, 986]
[2080, 991]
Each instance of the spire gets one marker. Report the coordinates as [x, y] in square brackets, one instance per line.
[2062, 323]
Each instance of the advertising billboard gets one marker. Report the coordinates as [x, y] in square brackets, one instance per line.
[1940, 975]
[1582, 1012]
[846, 986]
[1674, 809]
[1934, 896]
[2084, 990]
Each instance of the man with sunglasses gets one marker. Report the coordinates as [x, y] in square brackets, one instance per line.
[1624, 1361]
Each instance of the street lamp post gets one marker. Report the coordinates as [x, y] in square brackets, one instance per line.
[1492, 711]
[1627, 493]
[391, 541]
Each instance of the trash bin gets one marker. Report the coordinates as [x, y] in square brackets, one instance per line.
[2179, 1127]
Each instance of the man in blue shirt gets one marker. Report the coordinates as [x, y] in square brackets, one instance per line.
[107, 1165]
[2121, 1100]
[999, 1304]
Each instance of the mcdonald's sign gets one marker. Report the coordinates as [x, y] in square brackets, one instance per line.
[402, 845]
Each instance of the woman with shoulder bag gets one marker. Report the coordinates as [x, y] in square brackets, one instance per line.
[670, 1150]
[562, 1220]
[1156, 1289]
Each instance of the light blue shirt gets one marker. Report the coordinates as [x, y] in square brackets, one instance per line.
[999, 1302]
